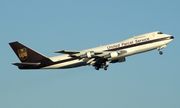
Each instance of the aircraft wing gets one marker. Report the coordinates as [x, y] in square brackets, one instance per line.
[25, 64]
[67, 52]
[90, 54]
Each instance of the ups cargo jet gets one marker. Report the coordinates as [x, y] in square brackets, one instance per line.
[99, 57]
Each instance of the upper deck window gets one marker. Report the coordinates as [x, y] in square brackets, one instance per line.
[159, 33]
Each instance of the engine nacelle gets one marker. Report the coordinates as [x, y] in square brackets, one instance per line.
[88, 54]
[161, 47]
[111, 55]
[118, 60]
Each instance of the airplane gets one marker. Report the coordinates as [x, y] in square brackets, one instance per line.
[99, 57]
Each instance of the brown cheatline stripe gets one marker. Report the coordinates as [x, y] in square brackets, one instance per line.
[138, 44]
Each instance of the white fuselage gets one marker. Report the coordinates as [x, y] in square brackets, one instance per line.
[134, 45]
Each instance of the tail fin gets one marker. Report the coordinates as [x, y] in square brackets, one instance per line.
[26, 54]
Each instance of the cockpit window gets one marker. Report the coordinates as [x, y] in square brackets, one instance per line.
[159, 33]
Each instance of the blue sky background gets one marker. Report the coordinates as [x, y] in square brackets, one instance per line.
[146, 80]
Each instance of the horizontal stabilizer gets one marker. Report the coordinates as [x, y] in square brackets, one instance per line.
[25, 64]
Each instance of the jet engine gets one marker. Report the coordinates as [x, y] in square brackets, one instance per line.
[88, 54]
[111, 55]
[161, 47]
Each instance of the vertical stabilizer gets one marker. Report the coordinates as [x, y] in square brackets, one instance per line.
[26, 54]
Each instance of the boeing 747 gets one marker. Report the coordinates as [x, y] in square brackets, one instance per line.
[99, 57]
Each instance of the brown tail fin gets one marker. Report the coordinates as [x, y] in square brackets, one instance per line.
[26, 54]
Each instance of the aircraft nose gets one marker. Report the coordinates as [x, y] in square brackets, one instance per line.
[171, 37]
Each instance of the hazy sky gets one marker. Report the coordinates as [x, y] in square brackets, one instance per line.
[146, 80]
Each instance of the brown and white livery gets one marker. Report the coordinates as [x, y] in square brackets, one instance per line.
[99, 57]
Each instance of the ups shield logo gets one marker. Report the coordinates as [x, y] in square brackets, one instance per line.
[22, 53]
